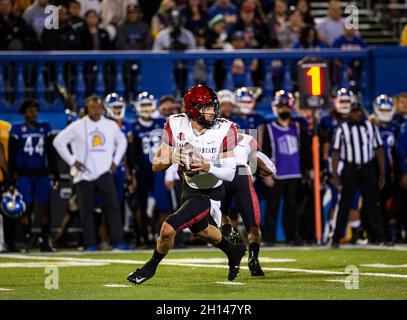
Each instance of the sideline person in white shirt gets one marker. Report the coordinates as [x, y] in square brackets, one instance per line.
[97, 148]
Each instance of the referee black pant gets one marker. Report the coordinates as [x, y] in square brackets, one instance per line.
[106, 188]
[364, 177]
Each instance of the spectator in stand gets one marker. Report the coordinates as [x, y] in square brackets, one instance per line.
[195, 15]
[331, 28]
[216, 35]
[349, 40]
[165, 41]
[277, 20]
[35, 16]
[114, 12]
[291, 33]
[228, 10]
[19, 6]
[63, 38]
[95, 38]
[133, 34]
[15, 34]
[309, 39]
[304, 8]
[87, 5]
[162, 18]
[76, 22]
[254, 30]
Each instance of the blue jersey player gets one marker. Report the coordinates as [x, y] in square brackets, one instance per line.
[383, 116]
[148, 132]
[31, 157]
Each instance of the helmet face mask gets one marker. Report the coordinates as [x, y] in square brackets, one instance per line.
[343, 101]
[145, 105]
[115, 106]
[197, 102]
[245, 101]
[283, 100]
[383, 108]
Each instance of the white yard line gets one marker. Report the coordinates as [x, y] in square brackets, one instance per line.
[230, 283]
[185, 264]
[333, 280]
[113, 285]
[5, 289]
[383, 265]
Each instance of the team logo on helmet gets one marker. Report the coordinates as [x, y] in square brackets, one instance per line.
[383, 108]
[12, 204]
[197, 98]
[115, 106]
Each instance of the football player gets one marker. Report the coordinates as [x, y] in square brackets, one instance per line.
[209, 141]
[241, 189]
[246, 115]
[383, 115]
[147, 137]
[31, 159]
[115, 107]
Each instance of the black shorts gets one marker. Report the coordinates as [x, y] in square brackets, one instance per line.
[241, 188]
[195, 209]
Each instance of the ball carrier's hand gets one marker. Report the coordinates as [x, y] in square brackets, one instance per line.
[201, 165]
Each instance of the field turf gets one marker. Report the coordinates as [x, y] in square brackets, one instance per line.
[291, 273]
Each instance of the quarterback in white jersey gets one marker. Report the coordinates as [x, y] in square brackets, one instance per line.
[202, 145]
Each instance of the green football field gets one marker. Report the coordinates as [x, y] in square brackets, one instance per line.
[201, 273]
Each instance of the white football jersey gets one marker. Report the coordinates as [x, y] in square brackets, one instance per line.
[219, 138]
[246, 144]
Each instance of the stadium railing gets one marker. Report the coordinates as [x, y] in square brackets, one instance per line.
[156, 71]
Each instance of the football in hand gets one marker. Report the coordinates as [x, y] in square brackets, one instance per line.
[189, 156]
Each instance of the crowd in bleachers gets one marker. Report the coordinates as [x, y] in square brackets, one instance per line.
[130, 25]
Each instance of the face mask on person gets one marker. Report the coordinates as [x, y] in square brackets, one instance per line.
[284, 115]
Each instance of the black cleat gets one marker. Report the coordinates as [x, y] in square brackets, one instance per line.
[234, 260]
[141, 275]
[255, 268]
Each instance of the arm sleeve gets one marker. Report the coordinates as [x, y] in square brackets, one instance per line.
[226, 170]
[62, 140]
[121, 146]
[337, 139]
[230, 140]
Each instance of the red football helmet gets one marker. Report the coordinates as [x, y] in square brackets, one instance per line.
[198, 97]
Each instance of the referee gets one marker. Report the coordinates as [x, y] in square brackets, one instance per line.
[357, 141]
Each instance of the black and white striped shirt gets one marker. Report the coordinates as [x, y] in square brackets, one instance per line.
[357, 142]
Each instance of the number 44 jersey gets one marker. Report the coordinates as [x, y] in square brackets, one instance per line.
[31, 145]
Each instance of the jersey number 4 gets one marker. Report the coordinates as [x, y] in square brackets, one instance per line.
[30, 149]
